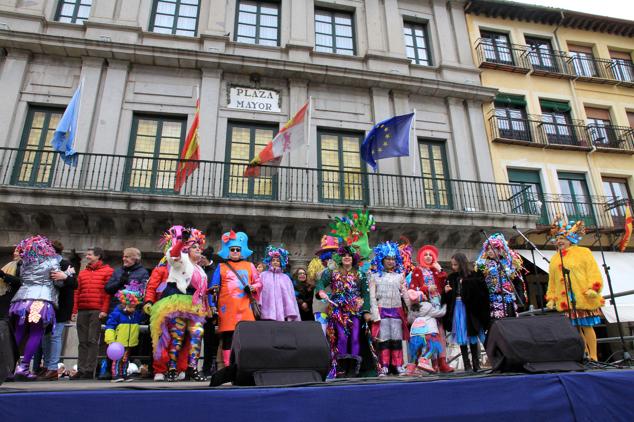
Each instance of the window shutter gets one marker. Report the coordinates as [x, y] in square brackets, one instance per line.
[580, 48]
[597, 113]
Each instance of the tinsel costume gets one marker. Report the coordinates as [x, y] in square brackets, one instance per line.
[389, 325]
[503, 274]
[585, 281]
[315, 269]
[349, 300]
[33, 306]
[277, 297]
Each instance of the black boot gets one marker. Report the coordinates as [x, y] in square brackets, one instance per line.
[475, 356]
[465, 358]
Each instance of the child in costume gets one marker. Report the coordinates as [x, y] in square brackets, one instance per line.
[582, 301]
[349, 302]
[277, 296]
[304, 293]
[502, 268]
[387, 289]
[316, 267]
[427, 283]
[238, 282]
[33, 305]
[426, 346]
[123, 327]
[467, 298]
[184, 303]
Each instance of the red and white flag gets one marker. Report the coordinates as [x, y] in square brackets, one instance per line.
[292, 135]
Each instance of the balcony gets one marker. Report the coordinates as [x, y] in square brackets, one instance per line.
[612, 138]
[550, 63]
[590, 69]
[595, 211]
[511, 58]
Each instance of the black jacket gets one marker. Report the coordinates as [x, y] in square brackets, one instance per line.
[66, 295]
[475, 296]
[5, 300]
[123, 276]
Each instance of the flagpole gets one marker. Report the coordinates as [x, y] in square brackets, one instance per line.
[310, 115]
[415, 145]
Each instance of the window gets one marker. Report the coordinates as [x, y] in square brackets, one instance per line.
[583, 61]
[619, 196]
[155, 147]
[599, 127]
[334, 32]
[540, 53]
[528, 202]
[258, 23]
[510, 113]
[416, 43]
[35, 167]
[557, 123]
[433, 164]
[622, 66]
[339, 163]
[178, 17]
[497, 48]
[575, 199]
[243, 143]
[73, 11]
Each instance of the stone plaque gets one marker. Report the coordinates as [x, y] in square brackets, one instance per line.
[254, 99]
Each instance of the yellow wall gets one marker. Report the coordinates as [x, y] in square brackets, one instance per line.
[579, 94]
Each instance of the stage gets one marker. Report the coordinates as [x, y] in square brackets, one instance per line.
[600, 395]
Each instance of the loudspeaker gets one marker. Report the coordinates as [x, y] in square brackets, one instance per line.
[278, 353]
[7, 351]
[535, 344]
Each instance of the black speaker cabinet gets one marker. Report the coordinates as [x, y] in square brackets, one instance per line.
[535, 344]
[7, 351]
[278, 353]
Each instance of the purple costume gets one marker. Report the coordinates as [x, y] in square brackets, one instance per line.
[277, 297]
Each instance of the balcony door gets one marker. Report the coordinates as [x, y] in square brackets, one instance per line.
[512, 122]
[339, 160]
[540, 53]
[528, 201]
[557, 123]
[618, 195]
[576, 200]
[496, 47]
[433, 163]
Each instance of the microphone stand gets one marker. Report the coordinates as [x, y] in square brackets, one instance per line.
[501, 270]
[540, 289]
[627, 358]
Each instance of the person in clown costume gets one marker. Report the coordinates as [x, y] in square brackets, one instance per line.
[387, 290]
[237, 281]
[349, 303]
[184, 303]
[277, 297]
[502, 268]
[580, 300]
[427, 283]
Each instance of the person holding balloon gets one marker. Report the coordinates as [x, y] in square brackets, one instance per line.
[122, 329]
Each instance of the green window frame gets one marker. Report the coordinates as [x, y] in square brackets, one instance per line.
[176, 17]
[36, 160]
[417, 43]
[528, 203]
[73, 11]
[575, 198]
[154, 150]
[435, 173]
[244, 141]
[342, 178]
[258, 22]
[334, 32]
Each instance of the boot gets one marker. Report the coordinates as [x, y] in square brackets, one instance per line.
[434, 364]
[443, 366]
[465, 358]
[475, 356]
[213, 368]
[22, 373]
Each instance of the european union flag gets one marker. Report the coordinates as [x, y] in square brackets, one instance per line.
[64, 135]
[389, 138]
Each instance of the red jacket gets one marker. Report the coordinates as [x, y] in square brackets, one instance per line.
[90, 294]
[159, 275]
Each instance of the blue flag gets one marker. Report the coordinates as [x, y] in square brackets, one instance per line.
[64, 135]
[389, 138]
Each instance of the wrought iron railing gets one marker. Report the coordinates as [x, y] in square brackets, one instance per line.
[43, 169]
[622, 70]
[545, 62]
[502, 55]
[517, 130]
[591, 209]
[613, 137]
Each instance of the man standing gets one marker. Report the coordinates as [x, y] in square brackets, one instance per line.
[91, 306]
[131, 270]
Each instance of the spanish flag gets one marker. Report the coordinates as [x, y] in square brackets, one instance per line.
[190, 152]
[625, 240]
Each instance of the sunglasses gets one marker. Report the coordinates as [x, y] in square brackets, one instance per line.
[234, 249]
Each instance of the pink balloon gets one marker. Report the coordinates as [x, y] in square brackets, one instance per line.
[115, 351]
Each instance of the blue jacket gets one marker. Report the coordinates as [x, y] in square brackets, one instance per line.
[123, 327]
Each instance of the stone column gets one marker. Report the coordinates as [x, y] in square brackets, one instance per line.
[444, 27]
[91, 69]
[102, 11]
[480, 143]
[395, 38]
[14, 70]
[212, 18]
[460, 151]
[460, 32]
[209, 103]
[376, 42]
[129, 12]
[104, 139]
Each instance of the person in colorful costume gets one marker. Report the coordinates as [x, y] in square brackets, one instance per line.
[277, 297]
[349, 302]
[122, 327]
[153, 291]
[184, 303]
[467, 298]
[233, 278]
[586, 283]
[354, 229]
[428, 282]
[387, 290]
[33, 305]
[502, 268]
[426, 346]
[316, 267]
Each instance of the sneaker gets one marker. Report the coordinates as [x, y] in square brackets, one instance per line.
[425, 365]
[401, 371]
[159, 377]
[181, 376]
[171, 376]
[117, 379]
[129, 379]
[383, 371]
[194, 375]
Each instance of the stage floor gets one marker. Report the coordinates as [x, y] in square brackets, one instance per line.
[600, 395]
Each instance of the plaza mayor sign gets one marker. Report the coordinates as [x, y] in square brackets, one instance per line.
[254, 99]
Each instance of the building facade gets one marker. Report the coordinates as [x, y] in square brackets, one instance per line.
[142, 64]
